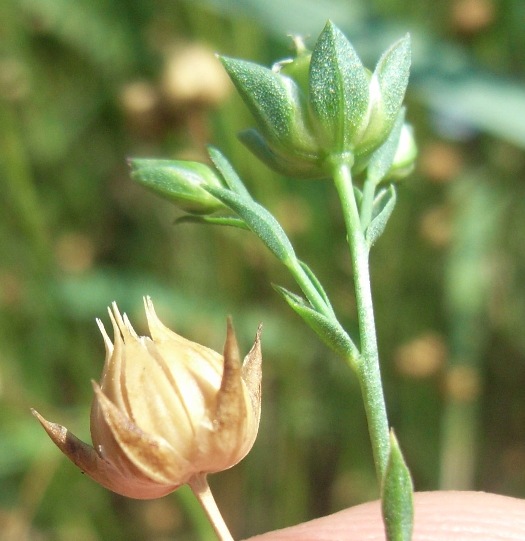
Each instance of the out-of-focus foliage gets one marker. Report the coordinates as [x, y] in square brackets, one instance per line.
[84, 85]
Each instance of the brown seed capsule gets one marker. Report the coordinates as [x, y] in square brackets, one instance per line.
[166, 409]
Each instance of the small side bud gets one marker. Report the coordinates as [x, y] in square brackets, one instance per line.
[406, 154]
[180, 182]
[397, 495]
[298, 67]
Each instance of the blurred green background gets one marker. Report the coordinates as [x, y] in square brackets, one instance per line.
[86, 84]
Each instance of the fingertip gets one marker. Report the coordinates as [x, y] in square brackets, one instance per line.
[439, 516]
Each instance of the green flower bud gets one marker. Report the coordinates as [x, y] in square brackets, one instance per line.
[284, 139]
[405, 156]
[395, 158]
[297, 68]
[180, 182]
[321, 105]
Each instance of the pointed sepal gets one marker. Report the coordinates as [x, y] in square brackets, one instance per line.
[339, 93]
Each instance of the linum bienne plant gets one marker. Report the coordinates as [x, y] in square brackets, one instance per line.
[320, 115]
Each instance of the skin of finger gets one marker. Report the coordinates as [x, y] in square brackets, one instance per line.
[439, 516]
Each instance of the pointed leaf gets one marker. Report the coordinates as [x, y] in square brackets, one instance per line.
[212, 220]
[227, 171]
[384, 204]
[338, 89]
[259, 220]
[397, 495]
[316, 283]
[330, 331]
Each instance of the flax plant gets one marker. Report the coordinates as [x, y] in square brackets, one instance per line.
[322, 116]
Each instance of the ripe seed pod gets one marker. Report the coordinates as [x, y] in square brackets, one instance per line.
[166, 410]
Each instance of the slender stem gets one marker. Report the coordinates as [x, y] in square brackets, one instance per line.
[200, 487]
[368, 368]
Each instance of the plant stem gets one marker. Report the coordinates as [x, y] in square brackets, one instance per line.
[200, 487]
[368, 368]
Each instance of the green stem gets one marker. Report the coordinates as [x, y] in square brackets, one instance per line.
[368, 368]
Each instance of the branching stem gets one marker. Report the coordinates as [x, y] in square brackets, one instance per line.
[368, 368]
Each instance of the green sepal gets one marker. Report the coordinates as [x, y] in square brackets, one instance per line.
[180, 182]
[283, 163]
[382, 209]
[387, 91]
[397, 495]
[276, 103]
[231, 178]
[259, 220]
[330, 332]
[392, 71]
[383, 158]
[212, 220]
[339, 92]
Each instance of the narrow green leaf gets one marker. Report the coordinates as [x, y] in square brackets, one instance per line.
[330, 331]
[392, 72]
[227, 171]
[383, 206]
[212, 220]
[383, 158]
[258, 219]
[316, 283]
[397, 495]
[339, 91]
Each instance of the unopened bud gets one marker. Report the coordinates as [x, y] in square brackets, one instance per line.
[319, 106]
[180, 182]
[406, 154]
